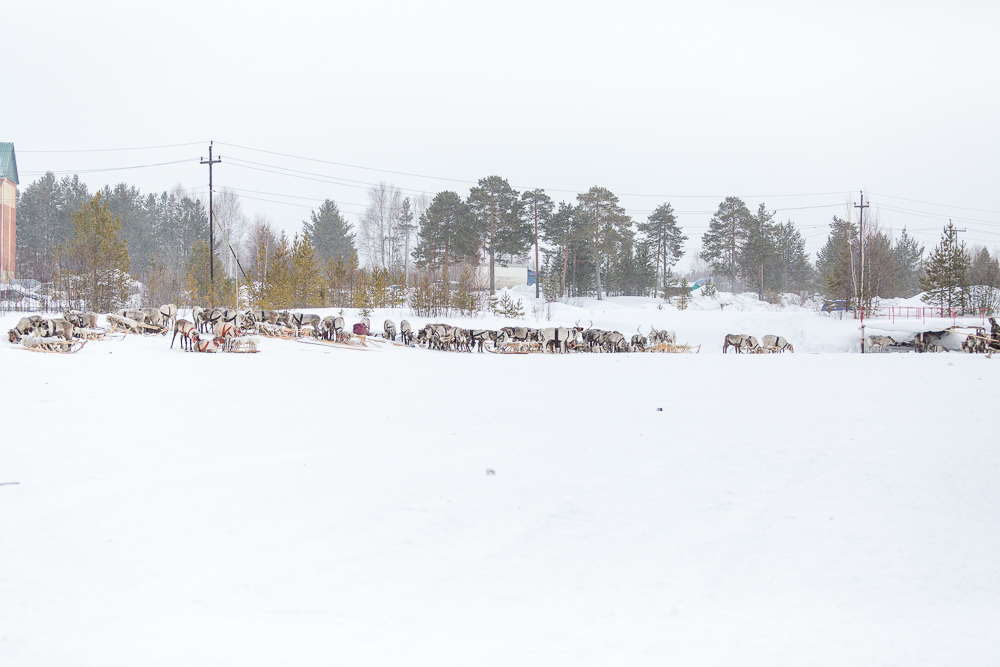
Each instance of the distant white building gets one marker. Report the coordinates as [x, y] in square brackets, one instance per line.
[511, 275]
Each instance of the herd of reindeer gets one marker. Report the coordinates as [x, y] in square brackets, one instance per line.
[222, 322]
[224, 329]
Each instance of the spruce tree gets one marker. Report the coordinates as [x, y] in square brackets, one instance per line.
[330, 232]
[835, 263]
[946, 272]
[44, 220]
[795, 272]
[909, 255]
[758, 256]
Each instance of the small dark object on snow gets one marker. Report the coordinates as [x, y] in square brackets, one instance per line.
[491, 471]
[8, 483]
[659, 409]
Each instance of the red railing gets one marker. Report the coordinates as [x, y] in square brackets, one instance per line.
[923, 312]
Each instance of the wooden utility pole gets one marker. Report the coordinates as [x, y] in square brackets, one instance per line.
[211, 216]
[861, 236]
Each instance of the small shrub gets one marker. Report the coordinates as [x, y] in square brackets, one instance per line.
[505, 306]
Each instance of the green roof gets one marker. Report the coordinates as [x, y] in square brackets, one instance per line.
[8, 163]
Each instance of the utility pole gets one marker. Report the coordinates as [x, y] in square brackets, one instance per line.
[954, 258]
[211, 216]
[861, 235]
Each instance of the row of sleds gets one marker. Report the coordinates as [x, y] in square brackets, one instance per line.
[58, 335]
[528, 347]
[358, 340]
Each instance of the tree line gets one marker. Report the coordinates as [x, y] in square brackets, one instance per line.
[445, 249]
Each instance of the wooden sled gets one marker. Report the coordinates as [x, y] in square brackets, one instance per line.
[519, 347]
[52, 344]
[243, 345]
[674, 348]
[358, 347]
[91, 334]
[275, 331]
[121, 324]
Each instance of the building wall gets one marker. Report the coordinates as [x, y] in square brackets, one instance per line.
[8, 229]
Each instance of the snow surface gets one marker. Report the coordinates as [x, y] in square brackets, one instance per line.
[315, 506]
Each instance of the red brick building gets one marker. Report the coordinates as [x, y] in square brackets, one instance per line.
[8, 211]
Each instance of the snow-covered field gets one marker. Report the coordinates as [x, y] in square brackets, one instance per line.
[315, 506]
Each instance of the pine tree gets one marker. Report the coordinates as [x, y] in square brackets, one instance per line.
[608, 225]
[499, 218]
[726, 235]
[946, 276]
[666, 237]
[538, 209]
[95, 259]
[563, 231]
[447, 233]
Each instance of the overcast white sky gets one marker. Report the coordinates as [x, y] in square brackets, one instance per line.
[798, 105]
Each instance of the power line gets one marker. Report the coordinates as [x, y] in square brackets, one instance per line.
[929, 203]
[108, 150]
[458, 180]
[94, 171]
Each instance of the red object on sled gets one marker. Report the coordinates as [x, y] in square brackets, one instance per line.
[360, 329]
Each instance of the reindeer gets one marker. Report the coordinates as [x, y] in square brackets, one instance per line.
[639, 341]
[478, 337]
[555, 338]
[405, 332]
[879, 342]
[462, 340]
[929, 341]
[198, 317]
[187, 333]
[205, 344]
[57, 327]
[25, 327]
[614, 341]
[739, 341]
[300, 320]
[389, 330]
[776, 344]
[153, 316]
[224, 332]
[133, 314]
[168, 314]
[210, 318]
[657, 337]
